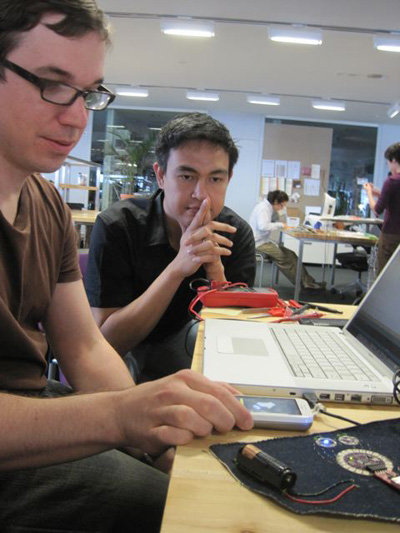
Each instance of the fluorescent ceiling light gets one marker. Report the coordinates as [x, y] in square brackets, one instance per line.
[394, 110]
[188, 27]
[132, 91]
[329, 105]
[115, 126]
[263, 100]
[202, 95]
[387, 44]
[295, 36]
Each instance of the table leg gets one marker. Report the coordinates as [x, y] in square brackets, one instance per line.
[298, 270]
[335, 245]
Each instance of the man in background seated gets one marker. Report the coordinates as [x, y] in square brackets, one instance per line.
[62, 467]
[263, 220]
[144, 256]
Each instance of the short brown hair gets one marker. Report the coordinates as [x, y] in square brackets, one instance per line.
[19, 16]
[277, 197]
[393, 152]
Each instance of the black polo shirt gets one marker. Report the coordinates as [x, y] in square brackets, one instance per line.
[129, 249]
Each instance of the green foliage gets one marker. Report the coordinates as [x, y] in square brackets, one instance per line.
[135, 157]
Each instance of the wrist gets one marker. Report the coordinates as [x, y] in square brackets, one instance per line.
[215, 272]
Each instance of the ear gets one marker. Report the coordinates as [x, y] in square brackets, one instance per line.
[159, 175]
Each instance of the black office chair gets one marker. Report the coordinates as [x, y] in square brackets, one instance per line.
[357, 261]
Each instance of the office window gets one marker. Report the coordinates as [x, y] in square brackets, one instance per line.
[123, 143]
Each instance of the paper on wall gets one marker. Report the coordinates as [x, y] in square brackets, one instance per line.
[311, 187]
[281, 183]
[273, 184]
[293, 170]
[316, 172]
[281, 169]
[267, 168]
[288, 187]
[264, 185]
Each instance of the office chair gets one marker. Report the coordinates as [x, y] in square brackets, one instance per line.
[263, 259]
[357, 261]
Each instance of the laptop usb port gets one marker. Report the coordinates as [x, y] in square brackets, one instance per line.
[339, 397]
[324, 396]
[355, 397]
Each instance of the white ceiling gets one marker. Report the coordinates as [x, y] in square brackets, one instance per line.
[240, 59]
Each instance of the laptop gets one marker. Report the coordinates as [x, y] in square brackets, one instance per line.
[354, 364]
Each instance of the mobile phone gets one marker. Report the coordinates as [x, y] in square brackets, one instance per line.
[278, 413]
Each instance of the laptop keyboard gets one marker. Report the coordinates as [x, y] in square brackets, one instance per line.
[320, 354]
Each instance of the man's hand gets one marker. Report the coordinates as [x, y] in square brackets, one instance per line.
[173, 410]
[201, 244]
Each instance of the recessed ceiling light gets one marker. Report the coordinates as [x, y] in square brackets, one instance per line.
[393, 110]
[188, 27]
[329, 105]
[202, 95]
[263, 100]
[387, 44]
[132, 91]
[295, 36]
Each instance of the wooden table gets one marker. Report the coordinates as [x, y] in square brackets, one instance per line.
[86, 218]
[204, 497]
[334, 236]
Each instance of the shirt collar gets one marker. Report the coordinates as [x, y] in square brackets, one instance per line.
[157, 231]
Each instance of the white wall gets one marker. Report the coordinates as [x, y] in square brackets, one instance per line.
[247, 132]
[387, 135]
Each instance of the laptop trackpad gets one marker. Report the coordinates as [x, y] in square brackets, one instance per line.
[240, 345]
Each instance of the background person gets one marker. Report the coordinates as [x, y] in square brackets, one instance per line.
[387, 201]
[60, 469]
[143, 258]
[263, 220]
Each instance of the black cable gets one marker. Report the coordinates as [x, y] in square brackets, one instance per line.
[195, 322]
[325, 412]
[314, 404]
[323, 491]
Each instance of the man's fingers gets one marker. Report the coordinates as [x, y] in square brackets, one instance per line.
[216, 396]
[221, 227]
[202, 216]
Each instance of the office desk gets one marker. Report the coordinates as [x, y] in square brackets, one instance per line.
[204, 497]
[335, 237]
[84, 218]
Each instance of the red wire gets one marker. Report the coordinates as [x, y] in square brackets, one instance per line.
[322, 502]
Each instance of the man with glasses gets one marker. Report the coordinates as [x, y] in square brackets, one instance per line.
[59, 465]
[264, 219]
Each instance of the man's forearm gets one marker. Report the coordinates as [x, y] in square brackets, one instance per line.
[96, 368]
[128, 326]
[38, 432]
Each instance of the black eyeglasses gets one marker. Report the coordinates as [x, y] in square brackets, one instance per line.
[62, 93]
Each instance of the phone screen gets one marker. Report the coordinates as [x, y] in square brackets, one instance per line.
[270, 405]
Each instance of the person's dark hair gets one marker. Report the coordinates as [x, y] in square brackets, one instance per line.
[19, 16]
[194, 127]
[393, 152]
[277, 197]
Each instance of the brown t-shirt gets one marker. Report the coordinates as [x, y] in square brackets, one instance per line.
[36, 253]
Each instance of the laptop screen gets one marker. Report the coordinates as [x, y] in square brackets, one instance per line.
[376, 323]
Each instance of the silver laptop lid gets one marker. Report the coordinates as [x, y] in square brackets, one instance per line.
[376, 323]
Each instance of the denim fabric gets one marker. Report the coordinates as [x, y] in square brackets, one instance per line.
[108, 492]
